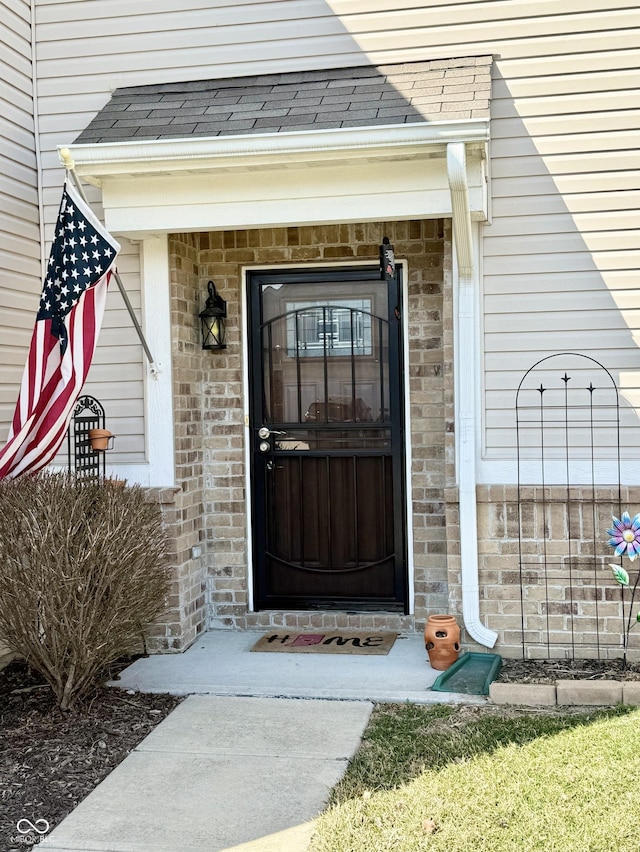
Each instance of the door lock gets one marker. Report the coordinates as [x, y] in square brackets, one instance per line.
[264, 447]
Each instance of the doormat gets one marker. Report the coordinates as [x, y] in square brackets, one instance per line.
[327, 642]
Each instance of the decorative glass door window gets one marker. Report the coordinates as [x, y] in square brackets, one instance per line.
[314, 329]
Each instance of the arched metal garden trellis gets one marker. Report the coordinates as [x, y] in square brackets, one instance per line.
[568, 457]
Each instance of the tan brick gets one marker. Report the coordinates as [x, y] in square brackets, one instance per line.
[601, 692]
[631, 692]
[523, 694]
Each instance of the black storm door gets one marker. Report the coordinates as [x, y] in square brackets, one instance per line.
[327, 440]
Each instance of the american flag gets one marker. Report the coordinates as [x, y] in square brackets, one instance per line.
[64, 338]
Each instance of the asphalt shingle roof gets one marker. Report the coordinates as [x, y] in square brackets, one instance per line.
[437, 90]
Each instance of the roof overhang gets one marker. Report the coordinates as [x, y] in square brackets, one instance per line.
[342, 174]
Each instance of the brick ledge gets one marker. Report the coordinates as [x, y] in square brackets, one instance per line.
[567, 693]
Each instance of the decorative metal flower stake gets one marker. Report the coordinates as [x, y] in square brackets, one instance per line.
[625, 536]
[625, 539]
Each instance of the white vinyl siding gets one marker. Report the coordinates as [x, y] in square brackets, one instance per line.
[562, 253]
[562, 250]
[116, 376]
[19, 220]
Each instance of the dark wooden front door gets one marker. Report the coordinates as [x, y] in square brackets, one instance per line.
[326, 431]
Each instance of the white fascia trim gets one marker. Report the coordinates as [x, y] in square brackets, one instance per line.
[465, 392]
[110, 158]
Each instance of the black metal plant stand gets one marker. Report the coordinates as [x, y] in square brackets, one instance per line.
[82, 458]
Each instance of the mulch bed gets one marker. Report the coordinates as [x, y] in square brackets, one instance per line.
[51, 759]
[549, 671]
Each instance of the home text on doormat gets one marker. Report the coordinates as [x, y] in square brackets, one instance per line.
[327, 642]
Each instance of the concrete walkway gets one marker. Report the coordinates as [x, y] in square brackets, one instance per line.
[219, 773]
[247, 761]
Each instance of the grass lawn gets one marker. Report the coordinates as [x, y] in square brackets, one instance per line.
[485, 779]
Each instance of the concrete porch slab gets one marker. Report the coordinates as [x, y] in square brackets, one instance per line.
[220, 662]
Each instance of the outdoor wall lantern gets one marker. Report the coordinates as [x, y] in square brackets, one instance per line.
[387, 260]
[212, 320]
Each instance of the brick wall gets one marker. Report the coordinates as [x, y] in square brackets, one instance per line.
[183, 507]
[574, 606]
[562, 608]
[431, 398]
[208, 508]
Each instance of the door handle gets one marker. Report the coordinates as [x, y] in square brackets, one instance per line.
[264, 432]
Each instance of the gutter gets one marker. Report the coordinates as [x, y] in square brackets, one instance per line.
[465, 375]
[101, 159]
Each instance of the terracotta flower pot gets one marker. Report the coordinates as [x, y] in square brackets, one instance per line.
[442, 641]
[99, 439]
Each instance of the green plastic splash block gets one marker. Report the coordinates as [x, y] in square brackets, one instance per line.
[471, 674]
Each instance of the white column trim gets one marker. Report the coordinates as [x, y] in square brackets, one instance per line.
[156, 321]
[465, 381]
[408, 444]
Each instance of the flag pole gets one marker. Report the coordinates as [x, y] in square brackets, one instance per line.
[67, 159]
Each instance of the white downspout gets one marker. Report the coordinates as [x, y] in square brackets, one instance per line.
[465, 372]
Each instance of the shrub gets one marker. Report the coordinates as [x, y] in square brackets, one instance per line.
[82, 573]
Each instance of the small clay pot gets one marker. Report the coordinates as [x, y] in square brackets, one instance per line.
[99, 439]
[442, 641]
